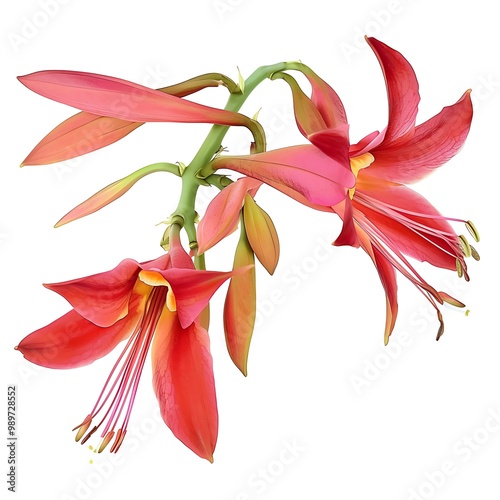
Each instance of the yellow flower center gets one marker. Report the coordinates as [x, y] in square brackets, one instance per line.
[154, 278]
[357, 164]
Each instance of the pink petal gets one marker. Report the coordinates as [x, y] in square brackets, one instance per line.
[348, 235]
[304, 169]
[183, 382]
[101, 298]
[402, 90]
[222, 215]
[117, 98]
[72, 341]
[434, 143]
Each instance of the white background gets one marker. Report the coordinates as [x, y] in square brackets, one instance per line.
[364, 421]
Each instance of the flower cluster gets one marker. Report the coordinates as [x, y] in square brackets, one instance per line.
[163, 304]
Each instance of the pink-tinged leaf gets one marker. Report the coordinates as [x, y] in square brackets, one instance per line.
[72, 341]
[262, 234]
[434, 143]
[402, 90]
[102, 298]
[183, 382]
[222, 215]
[240, 305]
[398, 207]
[86, 132]
[110, 193]
[303, 169]
[193, 289]
[387, 276]
[117, 98]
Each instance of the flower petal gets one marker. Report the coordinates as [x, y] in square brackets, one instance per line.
[102, 298]
[387, 276]
[72, 341]
[348, 235]
[223, 212]
[117, 98]
[262, 234]
[304, 169]
[240, 305]
[402, 90]
[193, 289]
[183, 382]
[434, 143]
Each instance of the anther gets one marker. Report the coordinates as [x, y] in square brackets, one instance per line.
[472, 230]
[464, 245]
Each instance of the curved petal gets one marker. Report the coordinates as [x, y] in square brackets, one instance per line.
[434, 143]
[72, 341]
[183, 382]
[223, 212]
[240, 306]
[387, 276]
[193, 289]
[402, 90]
[399, 208]
[262, 234]
[303, 169]
[117, 98]
[101, 298]
[348, 236]
[334, 142]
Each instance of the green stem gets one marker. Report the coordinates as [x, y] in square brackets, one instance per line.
[190, 181]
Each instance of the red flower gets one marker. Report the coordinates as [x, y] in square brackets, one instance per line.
[157, 304]
[383, 216]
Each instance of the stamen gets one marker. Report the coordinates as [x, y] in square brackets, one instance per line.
[474, 253]
[472, 230]
[121, 385]
[460, 270]
[464, 245]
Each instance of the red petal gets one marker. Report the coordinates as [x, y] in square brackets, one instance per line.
[335, 143]
[183, 381]
[348, 235]
[223, 213]
[101, 298]
[193, 289]
[72, 341]
[402, 90]
[304, 169]
[434, 142]
[387, 276]
[117, 98]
